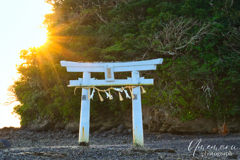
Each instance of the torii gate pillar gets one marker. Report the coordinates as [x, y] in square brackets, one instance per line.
[137, 113]
[84, 114]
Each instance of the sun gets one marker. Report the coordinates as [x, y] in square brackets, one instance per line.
[19, 29]
[38, 38]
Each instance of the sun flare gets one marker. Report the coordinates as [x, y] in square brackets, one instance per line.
[39, 37]
[19, 30]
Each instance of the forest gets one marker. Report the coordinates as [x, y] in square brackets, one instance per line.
[199, 41]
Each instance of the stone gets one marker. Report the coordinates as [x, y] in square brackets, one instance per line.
[159, 120]
[34, 140]
[72, 127]
[31, 134]
[104, 128]
[95, 126]
[41, 125]
[195, 126]
[232, 123]
[5, 144]
[105, 134]
[125, 132]
[121, 128]
[234, 156]
[9, 129]
[96, 133]
[238, 157]
[2, 145]
[69, 136]
[60, 126]
[23, 127]
[165, 150]
[51, 136]
[75, 136]
[113, 131]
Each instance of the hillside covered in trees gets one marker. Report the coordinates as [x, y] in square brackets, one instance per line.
[199, 41]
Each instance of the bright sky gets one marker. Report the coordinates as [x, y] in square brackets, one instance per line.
[20, 22]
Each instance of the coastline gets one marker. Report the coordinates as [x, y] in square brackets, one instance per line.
[64, 145]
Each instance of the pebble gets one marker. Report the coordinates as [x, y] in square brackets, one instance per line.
[105, 145]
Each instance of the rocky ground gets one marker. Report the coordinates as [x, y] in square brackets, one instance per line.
[105, 145]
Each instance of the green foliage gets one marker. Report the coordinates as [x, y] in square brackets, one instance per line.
[199, 41]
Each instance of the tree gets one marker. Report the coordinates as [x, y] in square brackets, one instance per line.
[197, 39]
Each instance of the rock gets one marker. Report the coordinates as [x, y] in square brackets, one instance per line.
[232, 123]
[72, 127]
[127, 119]
[34, 140]
[96, 133]
[125, 132]
[160, 121]
[234, 156]
[69, 136]
[105, 134]
[195, 126]
[51, 136]
[23, 127]
[165, 150]
[4, 144]
[104, 128]
[46, 154]
[60, 126]
[238, 157]
[9, 129]
[113, 131]
[95, 126]
[75, 136]
[121, 128]
[41, 125]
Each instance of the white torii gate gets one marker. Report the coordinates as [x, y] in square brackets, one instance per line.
[109, 69]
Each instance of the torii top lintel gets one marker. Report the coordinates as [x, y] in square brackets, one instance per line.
[109, 68]
[117, 66]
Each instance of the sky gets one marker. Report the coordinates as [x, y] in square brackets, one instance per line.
[20, 28]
